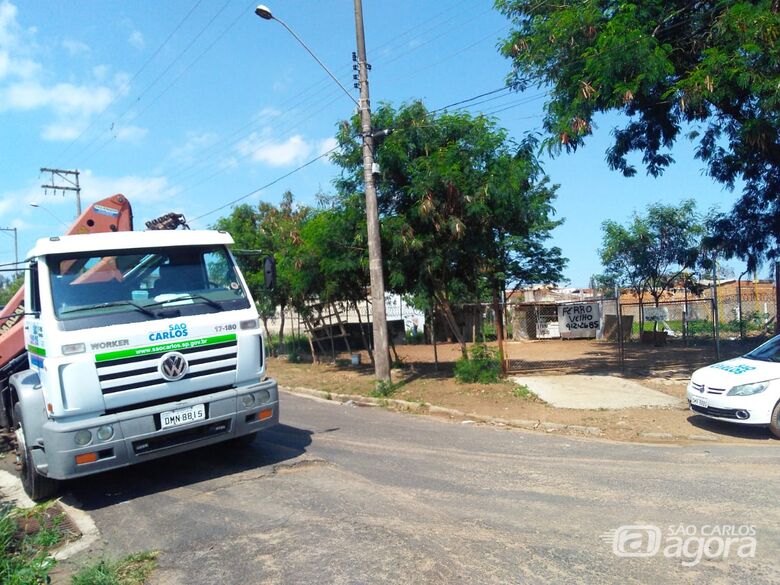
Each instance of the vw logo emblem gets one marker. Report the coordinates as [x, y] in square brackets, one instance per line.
[173, 366]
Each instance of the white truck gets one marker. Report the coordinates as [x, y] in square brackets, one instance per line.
[139, 345]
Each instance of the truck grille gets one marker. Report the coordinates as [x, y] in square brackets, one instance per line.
[181, 437]
[142, 371]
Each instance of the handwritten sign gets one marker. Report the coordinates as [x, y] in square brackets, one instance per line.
[576, 321]
[657, 314]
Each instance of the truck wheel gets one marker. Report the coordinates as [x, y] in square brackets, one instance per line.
[774, 423]
[36, 486]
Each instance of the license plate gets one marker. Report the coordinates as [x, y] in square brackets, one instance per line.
[182, 416]
[701, 402]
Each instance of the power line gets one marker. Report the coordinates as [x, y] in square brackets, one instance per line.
[127, 84]
[292, 172]
[156, 79]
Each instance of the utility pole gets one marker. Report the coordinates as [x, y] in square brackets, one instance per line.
[381, 350]
[16, 248]
[73, 185]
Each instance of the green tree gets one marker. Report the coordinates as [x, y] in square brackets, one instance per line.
[461, 207]
[709, 70]
[656, 251]
[9, 288]
[276, 231]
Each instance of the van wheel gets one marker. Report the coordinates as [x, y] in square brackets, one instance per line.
[37, 486]
[774, 423]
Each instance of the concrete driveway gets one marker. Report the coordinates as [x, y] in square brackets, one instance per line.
[340, 494]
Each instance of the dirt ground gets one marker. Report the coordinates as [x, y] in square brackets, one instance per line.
[665, 369]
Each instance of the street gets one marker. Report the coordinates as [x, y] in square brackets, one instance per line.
[340, 494]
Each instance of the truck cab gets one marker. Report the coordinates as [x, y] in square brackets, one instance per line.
[140, 345]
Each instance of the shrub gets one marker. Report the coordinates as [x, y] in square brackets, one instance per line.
[483, 367]
[414, 338]
[383, 389]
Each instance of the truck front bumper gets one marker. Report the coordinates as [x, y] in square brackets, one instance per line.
[137, 434]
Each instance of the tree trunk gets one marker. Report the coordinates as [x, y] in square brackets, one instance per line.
[281, 330]
[268, 336]
[363, 333]
[450, 318]
[499, 313]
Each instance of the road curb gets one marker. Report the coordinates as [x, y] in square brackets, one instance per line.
[424, 408]
[11, 488]
[531, 425]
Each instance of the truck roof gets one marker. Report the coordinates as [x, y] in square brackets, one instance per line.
[128, 241]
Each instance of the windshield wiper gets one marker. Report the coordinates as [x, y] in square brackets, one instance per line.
[184, 297]
[136, 306]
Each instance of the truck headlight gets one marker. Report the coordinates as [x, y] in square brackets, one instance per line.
[247, 400]
[82, 438]
[105, 432]
[748, 389]
[263, 396]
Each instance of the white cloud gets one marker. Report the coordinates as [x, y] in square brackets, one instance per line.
[74, 47]
[71, 104]
[8, 26]
[136, 39]
[63, 98]
[136, 188]
[130, 133]
[195, 142]
[275, 154]
[326, 145]
[61, 131]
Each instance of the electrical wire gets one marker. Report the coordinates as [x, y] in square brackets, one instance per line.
[155, 80]
[135, 75]
[270, 184]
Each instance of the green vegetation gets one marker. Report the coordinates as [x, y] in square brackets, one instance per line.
[464, 209]
[483, 367]
[384, 389]
[523, 391]
[291, 345]
[464, 212]
[415, 338]
[702, 71]
[8, 288]
[26, 536]
[131, 570]
[655, 251]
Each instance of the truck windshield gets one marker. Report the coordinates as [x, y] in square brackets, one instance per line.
[767, 352]
[97, 289]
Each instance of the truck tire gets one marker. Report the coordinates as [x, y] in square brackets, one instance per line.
[37, 486]
[774, 422]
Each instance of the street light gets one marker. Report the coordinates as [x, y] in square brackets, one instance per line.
[381, 351]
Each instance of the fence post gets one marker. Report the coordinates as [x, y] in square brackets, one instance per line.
[619, 312]
[715, 316]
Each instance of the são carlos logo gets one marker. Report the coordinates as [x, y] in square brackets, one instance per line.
[173, 366]
[174, 331]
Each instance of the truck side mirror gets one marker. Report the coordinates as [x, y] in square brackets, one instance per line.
[269, 272]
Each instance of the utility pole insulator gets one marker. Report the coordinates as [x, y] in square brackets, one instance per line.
[72, 184]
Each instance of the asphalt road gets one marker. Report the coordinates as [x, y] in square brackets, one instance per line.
[340, 494]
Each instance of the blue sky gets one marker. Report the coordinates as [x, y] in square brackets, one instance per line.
[186, 105]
